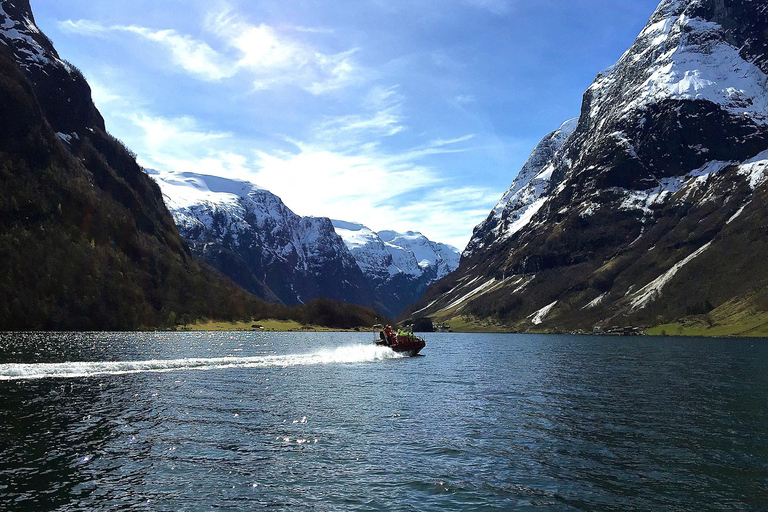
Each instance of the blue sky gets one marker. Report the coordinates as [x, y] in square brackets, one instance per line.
[396, 114]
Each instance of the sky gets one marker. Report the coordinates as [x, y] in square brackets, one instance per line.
[404, 115]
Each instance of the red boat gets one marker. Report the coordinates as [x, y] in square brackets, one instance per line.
[402, 341]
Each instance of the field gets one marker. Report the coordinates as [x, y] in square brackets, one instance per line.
[258, 325]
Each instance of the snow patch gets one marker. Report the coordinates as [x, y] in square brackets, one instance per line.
[596, 302]
[645, 199]
[524, 216]
[736, 215]
[471, 294]
[652, 290]
[755, 169]
[684, 58]
[66, 137]
[524, 284]
[540, 315]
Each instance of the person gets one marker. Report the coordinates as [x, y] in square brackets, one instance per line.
[388, 334]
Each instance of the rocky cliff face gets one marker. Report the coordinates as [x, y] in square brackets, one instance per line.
[85, 239]
[649, 207]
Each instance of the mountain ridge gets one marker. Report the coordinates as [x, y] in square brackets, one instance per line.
[656, 181]
[399, 266]
[252, 236]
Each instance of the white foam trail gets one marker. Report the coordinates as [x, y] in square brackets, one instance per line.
[346, 354]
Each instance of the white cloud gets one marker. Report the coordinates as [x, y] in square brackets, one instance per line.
[361, 182]
[161, 133]
[311, 30]
[343, 169]
[328, 177]
[444, 214]
[464, 99]
[270, 58]
[101, 95]
[195, 57]
[274, 58]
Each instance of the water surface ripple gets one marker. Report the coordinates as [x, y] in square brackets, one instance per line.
[326, 421]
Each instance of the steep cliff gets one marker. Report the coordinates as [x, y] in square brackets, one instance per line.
[85, 239]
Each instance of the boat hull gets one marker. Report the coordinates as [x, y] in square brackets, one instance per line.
[408, 349]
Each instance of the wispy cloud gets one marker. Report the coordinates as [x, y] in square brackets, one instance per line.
[344, 172]
[270, 58]
[446, 214]
[380, 117]
[324, 176]
[464, 99]
[356, 166]
[498, 7]
[195, 57]
[311, 30]
[379, 190]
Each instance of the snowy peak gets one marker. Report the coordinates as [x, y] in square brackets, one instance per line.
[390, 253]
[426, 253]
[251, 235]
[400, 266]
[369, 251]
[525, 196]
[685, 54]
[186, 189]
[355, 235]
[214, 209]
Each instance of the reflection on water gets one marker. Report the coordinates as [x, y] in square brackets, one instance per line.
[187, 421]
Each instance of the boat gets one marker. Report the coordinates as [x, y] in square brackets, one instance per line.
[402, 341]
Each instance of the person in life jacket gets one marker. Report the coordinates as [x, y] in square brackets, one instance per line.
[388, 334]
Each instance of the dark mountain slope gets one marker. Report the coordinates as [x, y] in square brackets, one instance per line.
[85, 239]
[652, 208]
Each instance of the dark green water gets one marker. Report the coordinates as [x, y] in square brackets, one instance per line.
[230, 421]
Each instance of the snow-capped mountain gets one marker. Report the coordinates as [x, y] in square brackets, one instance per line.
[409, 247]
[648, 207]
[251, 235]
[526, 195]
[399, 265]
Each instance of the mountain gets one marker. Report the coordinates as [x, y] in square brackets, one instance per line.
[252, 236]
[86, 241]
[399, 266]
[649, 208]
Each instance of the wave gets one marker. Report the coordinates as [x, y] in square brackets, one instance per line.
[346, 354]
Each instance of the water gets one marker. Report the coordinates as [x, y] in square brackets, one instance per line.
[326, 421]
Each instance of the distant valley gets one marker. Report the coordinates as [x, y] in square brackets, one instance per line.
[253, 237]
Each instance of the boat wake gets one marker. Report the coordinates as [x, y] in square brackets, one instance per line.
[346, 354]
